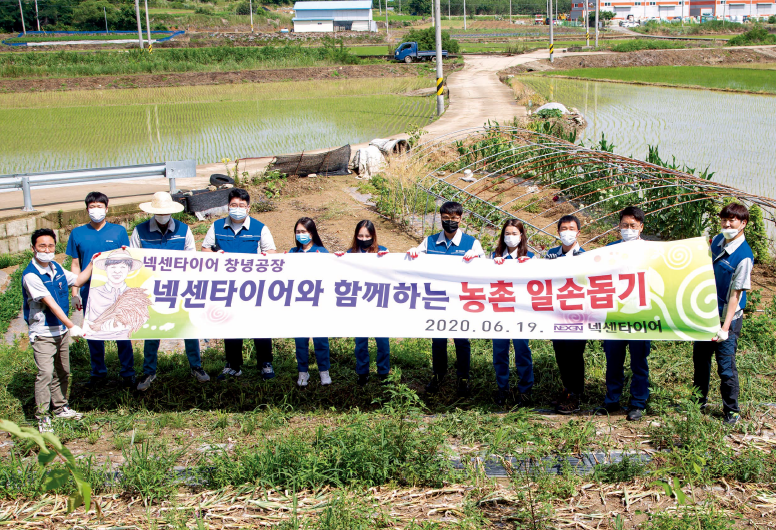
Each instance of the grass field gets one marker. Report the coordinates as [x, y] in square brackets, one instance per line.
[749, 79]
[122, 62]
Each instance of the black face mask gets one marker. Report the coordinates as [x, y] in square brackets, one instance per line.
[364, 244]
[450, 227]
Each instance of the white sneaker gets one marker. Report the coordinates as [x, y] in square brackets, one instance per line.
[44, 425]
[325, 379]
[304, 377]
[68, 414]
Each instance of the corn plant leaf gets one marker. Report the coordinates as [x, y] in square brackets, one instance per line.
[681, 498]
[55, 478]
[29, 434]
[666, 487]
[74, 501]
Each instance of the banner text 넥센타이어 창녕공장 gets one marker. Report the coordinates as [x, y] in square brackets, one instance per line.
[638, 290]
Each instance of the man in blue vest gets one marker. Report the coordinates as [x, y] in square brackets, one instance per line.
[84, 242]
[45, 306]
[451, 241]
[569, 354]
[733, 260]
[164, 232]
[241, 233]
[631, 226]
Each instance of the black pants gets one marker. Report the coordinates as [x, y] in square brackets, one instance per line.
[725, 353]
[233, 351]
[570, 356]
[463, 357]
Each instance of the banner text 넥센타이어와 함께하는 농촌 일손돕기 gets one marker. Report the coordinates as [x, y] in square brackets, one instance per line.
[640, 290]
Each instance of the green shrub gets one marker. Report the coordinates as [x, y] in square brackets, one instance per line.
[547, 114]
[756, 35]
[623, 471]
[645, 44]
[426, 39]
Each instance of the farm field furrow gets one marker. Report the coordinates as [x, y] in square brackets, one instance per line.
[205, 123]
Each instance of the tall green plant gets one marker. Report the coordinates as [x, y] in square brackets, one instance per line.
[50, 448]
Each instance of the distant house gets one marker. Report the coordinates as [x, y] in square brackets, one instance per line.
[335, 15]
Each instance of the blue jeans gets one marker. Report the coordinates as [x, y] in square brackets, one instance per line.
[725, 353]
[97, 357]
[523, 364]
[151, 354]
[321, 345]
[383, 355]
[463, 357]
[615, 371]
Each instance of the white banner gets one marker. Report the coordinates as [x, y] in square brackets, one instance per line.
[638, 290]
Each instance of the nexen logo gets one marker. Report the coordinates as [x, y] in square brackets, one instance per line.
[569, 328]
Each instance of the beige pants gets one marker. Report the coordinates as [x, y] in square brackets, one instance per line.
[52, 357]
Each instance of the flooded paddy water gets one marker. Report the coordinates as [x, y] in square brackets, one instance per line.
[734, 135]
[98, 128]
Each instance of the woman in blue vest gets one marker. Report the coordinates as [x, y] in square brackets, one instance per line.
[164, 232]
[365, 242]
[308, 241]
[513, 245]
[242, 233]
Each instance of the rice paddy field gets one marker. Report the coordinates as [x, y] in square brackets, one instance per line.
[54, 131]
[732, 134]
[745, 79]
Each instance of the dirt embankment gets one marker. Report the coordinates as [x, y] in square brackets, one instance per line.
[692, 57]
[208, 78]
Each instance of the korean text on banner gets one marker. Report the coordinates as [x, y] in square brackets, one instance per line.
[636, 290]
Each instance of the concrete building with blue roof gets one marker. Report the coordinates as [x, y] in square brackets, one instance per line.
[351, 15]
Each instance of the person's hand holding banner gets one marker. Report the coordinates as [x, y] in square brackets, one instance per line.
[470, 255]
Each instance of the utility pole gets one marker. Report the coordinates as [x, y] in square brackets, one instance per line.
[250, 8]
[380, 6]
[448, 9]
[433, 18]
[387, 31]
[24, 29]
[148, 29]
[105, 14]
[552, 44]
[464, 15]
[587, 22]
[139, 25]
[37, 18]
[510, 11]
[597, 4]
[439, 69]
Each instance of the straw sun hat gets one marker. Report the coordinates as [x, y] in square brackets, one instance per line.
[162, 203]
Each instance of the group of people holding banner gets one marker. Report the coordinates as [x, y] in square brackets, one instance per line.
[46, 305]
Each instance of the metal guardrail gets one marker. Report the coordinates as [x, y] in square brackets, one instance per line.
[27, 181]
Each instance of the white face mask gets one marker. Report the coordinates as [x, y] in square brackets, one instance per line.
[730, 233]
[512, 241]
[45, 257]
[162, 219]
[629, 234]
[238, 214]
[568, 237]
[97, 214]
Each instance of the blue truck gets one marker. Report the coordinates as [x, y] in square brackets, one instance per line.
[408, 52]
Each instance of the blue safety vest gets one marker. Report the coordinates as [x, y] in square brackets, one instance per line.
[174, 239]
[245, 241]
[57, 287]
[528, 254]
[315, 248]
[466, 244]
[725, 266]
[558, 252]
[380, 248]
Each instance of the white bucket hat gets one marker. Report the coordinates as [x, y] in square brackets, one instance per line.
[162, 203]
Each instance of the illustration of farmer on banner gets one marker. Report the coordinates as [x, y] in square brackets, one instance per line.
[114, 310]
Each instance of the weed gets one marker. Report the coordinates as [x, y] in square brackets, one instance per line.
[688, 519]
[148, 473]
[625, 470]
